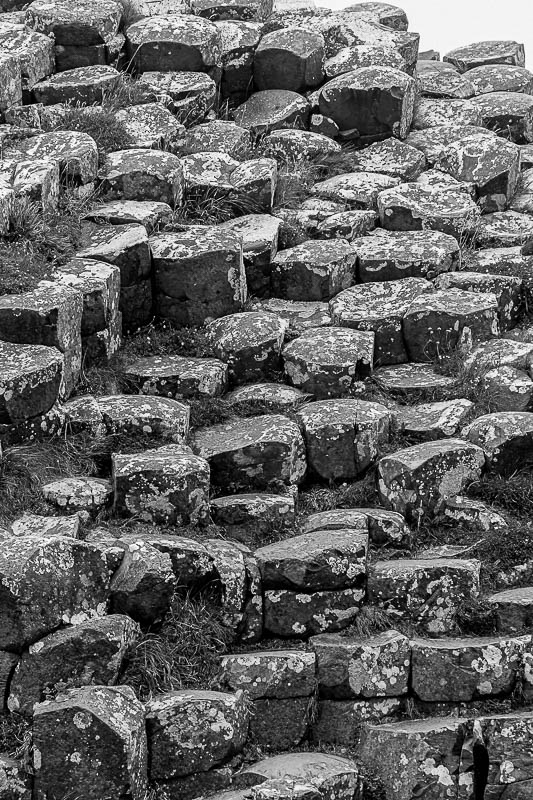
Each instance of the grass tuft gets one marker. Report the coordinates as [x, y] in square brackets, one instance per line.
[15, 736]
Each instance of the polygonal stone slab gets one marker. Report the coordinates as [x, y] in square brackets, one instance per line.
[148, 415]
[445, 83]
[432, 112]
[174, 42]
[392, 157]
[505, 436]
[74, 151]
[78, 494]
[419, 479]
[139, 174]
[269, 673]
[30, 381]
[178, 377]
[383, 526]
[259, 234]
[492, 52]
[89, 22]
[149, 213]
[100, 286]
[507, 289]
[343, 437]
[254, 452]
[434, 420]
[300, 314]
[291, 58]
[500, 78]
[411, 207]
[193, 731]
[358, 189]
[313, 270]
[389, 255]
[509, 389]
[249, 343]
[509, 111]
[341, 722]
[329, 362]
[151, 125]
[143, 584]
[514, 609]
[291, 614]
[95, 724]
[219, 135]
[331, 775]
[363, 55]
[271, 110]
[290, 144]
[34, 51]
[433, 141]
[188, 95]
[85, 85]
[347, 225]
[260, 510]
[274, 396]
[505, 229]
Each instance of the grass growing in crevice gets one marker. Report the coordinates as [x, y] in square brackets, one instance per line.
[511, 493]
[212, 206]
[361, 493]
[15, 736]
[184, 653]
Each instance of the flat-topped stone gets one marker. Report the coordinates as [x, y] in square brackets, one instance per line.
[389, 255]
[488, 52]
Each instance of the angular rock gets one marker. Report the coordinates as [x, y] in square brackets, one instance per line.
[86, 23]
[143, 585]
[347, 225]
[505, 437]
[149, 213]
[78, 494]
[390, 255]
[178, 377]
[500, 78]
[357, 189]
[291, 58]
[85, 85]
[300, 314]
[480, 53]
[411, 207]
[383, 526]
[392, 157]
[259, 510]
[505, 229]
[30, 382]
[509, 389]
[259, 234]
[286, 145]
[249, 343]
[507, 289]
[330, 775]
[432, 112]
[415, 381]
[272, 110]
[363, 55]
[174, 42]
[190, 96]
[74, 151]
[514, 609]
[274, 396]
[278, 674]
[128, 414]
[445, 83]
[290, 614]
[342, 722]
[438, 420]
[314, 270]
[509, 111]
[151, 125]
[140, 174]
[279, 725]
[219, 135]
[100, 285]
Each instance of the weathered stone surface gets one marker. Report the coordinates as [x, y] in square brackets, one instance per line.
[415, 381]
[507, 742]
[383, 526]
[178, 377]
[193, 731]
[174, 42]
[509, 111]
[419, 479]
[253, 453]
[143, 584]
[438, 420]
[260, 510]
[392, 157]
[290, 614]
[480, 53]
[198, 274]
[438, 82]
[190, 96]
[74, 151]
[434, 140]
[390, 255]
[81, 727]
[427, 591]
[314, 270]
[78, 494]
[15, 780]
[291, 59]
[505, 437]
[411, 207]
[129, 414]
[280, 724]
[329, 362]
[314, 561]
[459, 670]
[344, 437]
[505, 229]
[347, 225]
[300, 314]
[39, 526]
[274, 396]
[342, 722]
[30, 382]
[331, 775]
[447, 319]
[286, 145]
[149, 213]
[249, 343]
[151, 125]
[140, 174]
[500, 78]
[357, 189]
[363, 55]
[380, 307]
[99, 284]
[86, 85]
[473, 514]
[514, 609]
[374, 666]
[272, 110]
[507, 289]
[46, 581]
[219, 135]
[33, 51]
[89, 653]
[278, 674]
[168, 485]
[88, 23]
[432, 112]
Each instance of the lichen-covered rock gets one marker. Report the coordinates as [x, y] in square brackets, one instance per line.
[431, 112]
[78, 494]
[459, 670]
[139, 174]
[419, 479]
[374, 666]
[313, 270]
[415, 381]
[438, 420]
[89, 653]
[193, 731]
[291, 614]
[492, 52]
[370, 102]
[33, 51]
[505, 229]
[271, 110]
[165, 486]
[411, 207]
[238, 574]
[259, 234]
[390, 255]
[259, 510]
[253, 453]
[510, 110]
[130, 414]
[438, 82]
[144, 583]
[383, 526]
[392, 157]
[275, 397]
[287, 145]
[89, 22]
[344, 437]
[428, 591]
[198, 274]
[314, 561]
[189, 96]
[279, 725]
[100, 286]
[278, 674]
[149, 213]
[329, 362]
[449, 319]
[474, 514]
[30, 381]
[249, 343]
[500, 78]
[355, 56]
[348, 225]
[514, 609]
[506, 739]
[360, 190]
[39, 526]
[174, 42]
[151, 125]
[46, 581]
[190, 559]
[16, 783]
[505, 436]
[178, 377]
[507, 289]
[300, 314]
[83, 727]
[380, 307]
[290, 58]
[434, 140]
[342, 722]
[85, 85]
[74, 151]
[219, 135]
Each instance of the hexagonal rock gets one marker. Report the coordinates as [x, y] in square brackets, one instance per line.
[507, 289]
[160, 416]
[30, 381]
[427, 591]
[253, 453]
[347, 225]
[419, 479]
[151, 125]
[511, 111]
[289, 144]
[74, 151]
[373, 666]
[174, 42]
[342, 722]
[261, 510]
[193, 731]
[500, 78]
[143, 584]
[504, 229]
[100, 286]
[93, 725]
[300, 314]
[356, 56]
[474, 514]
[87, 23]
[329, 362]
[510, 389]
[291, 58]
[343, 437]
[315, 561]
[370, 101]
[198, 273]
[89, 653]
[392, 157]
[383, 526]
[480, 53]
[165, 486]
[45, 527]
[460, 670]
[219, 135]
[277, 674]
[415, 382]
[313, 270]
[433, 141]
[274, 396]
[416, 755]
[505, 436]
[249, 343]
[178, 377]
[381, 13]
[86, 85]
[445, 83]
[46, 581]
[259, 234]
[292, 614]
[140, 174]
[506, 738]
[410, 207]
[78, 494]
[380, 307]
[447, 319]
[491, 163]
[149, 213]
[438, 420]
[514, 609]
[330, 775]
[432, 112]
[34, 52]
[271, 110]
[358, 189]
[188, 95]
[392, 255]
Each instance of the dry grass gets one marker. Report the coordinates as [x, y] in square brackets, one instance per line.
[211, 207]
[15, 736]
[184, 654]
[358, 494]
